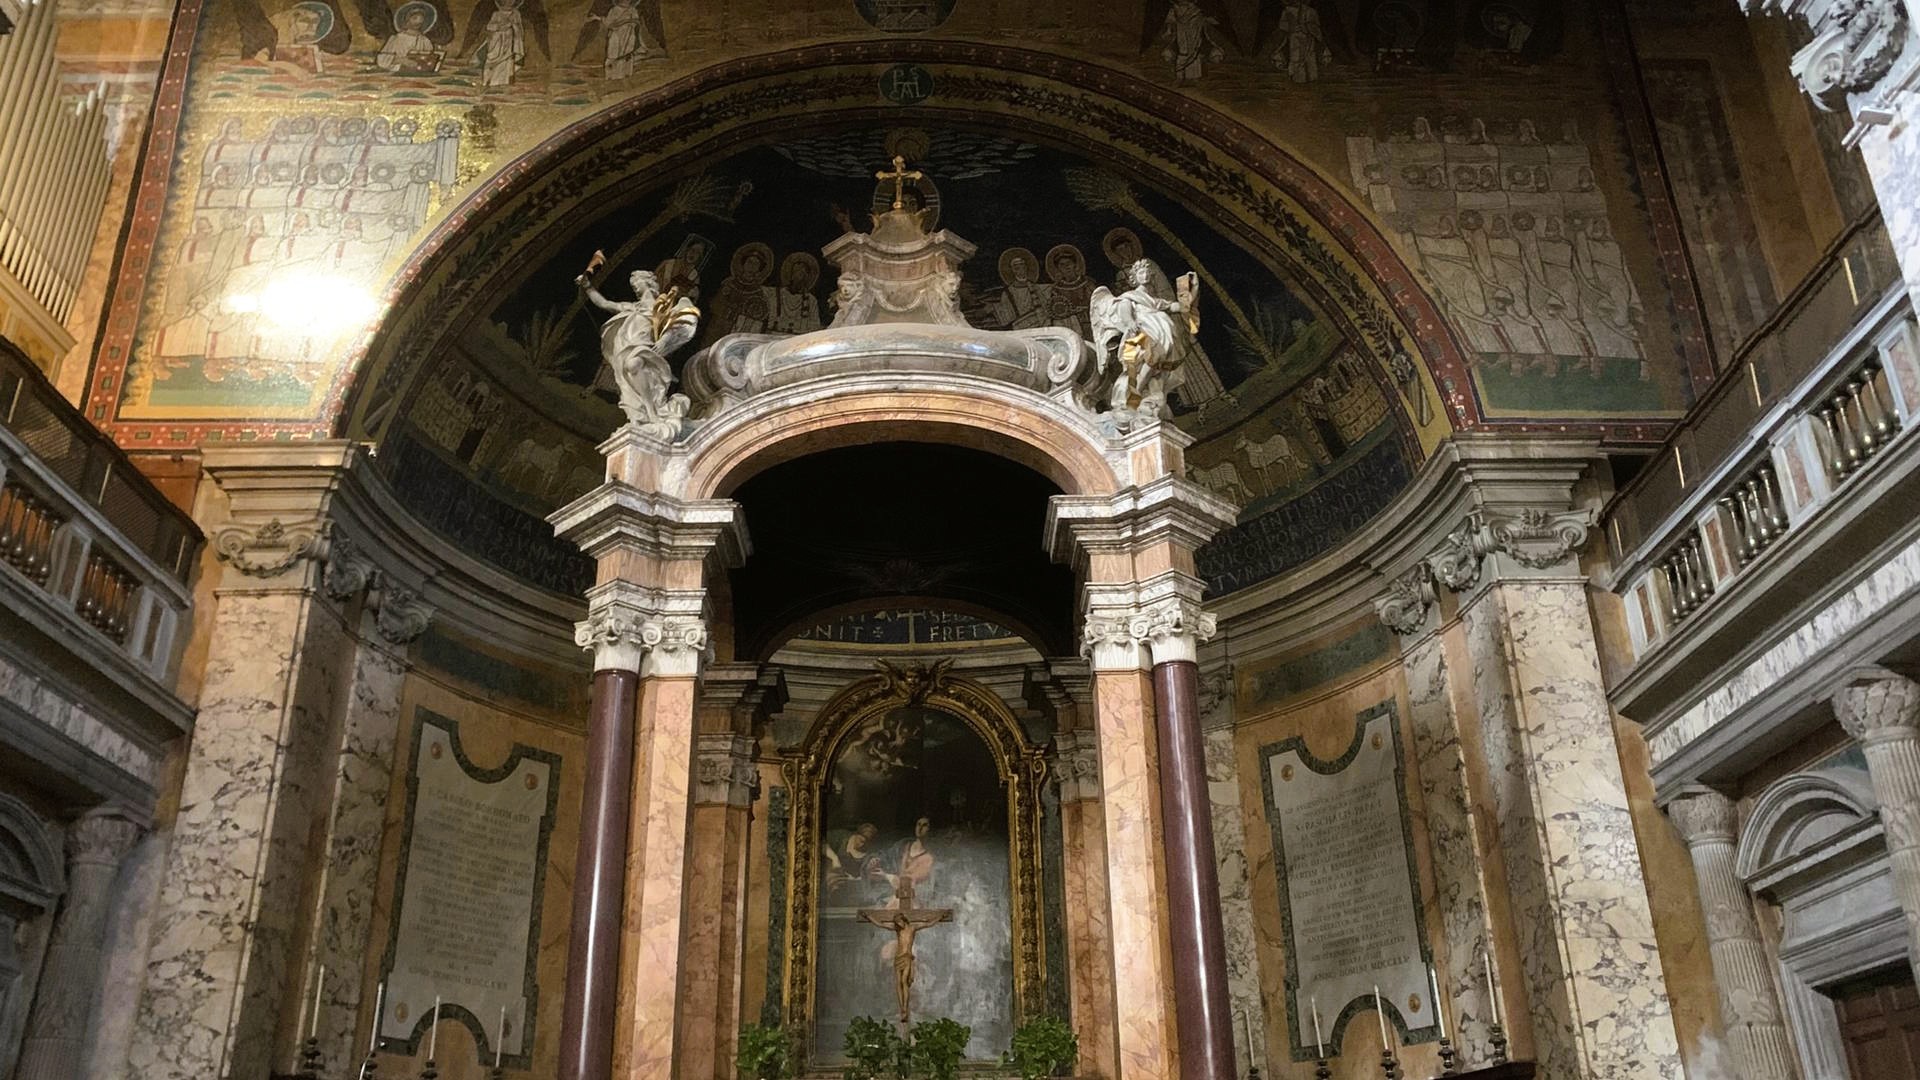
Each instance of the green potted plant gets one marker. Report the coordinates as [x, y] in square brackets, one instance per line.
[874, 1050]
[765, 1052]
[937, 1047]
[1042, 1047]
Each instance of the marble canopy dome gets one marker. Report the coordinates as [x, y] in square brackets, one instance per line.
[1290, 417]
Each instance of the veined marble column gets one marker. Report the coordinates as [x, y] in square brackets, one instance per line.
[1580, 910]
[1129, 771]
[1089, 927]
[1882, 710]
[1235, 872]
[1465, 855]
[231, 911]
[57, 1028]
[361, 772]
[1749, 998]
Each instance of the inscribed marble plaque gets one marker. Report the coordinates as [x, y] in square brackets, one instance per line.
[1349, 906]
[472, 865]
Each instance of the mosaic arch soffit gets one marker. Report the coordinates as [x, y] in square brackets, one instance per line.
[1321, 239]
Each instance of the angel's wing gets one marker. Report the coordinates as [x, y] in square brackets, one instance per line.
[377, 18]
[476, 29]
[441, 33]
[535, 13]
[656, 26]
[591, 30]
[1104, 319]
[682, 324]
[340, 38]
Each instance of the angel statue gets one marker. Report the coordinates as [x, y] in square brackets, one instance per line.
[636, 342]
[1151, 342]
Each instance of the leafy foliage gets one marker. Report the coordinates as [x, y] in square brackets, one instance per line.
[874, 1051]
[766, 1052]
[937, 1046]
[1043, 1046]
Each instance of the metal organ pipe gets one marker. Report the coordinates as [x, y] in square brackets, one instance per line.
[54, 170]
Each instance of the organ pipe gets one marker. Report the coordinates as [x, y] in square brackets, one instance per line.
[54, 170]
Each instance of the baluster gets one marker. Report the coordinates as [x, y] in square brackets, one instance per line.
[1862, 417]
[1776, 506]
[1742, 529]
[1879, 403]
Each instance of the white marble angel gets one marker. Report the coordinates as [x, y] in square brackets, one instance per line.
[636, 342]
[1138, 329]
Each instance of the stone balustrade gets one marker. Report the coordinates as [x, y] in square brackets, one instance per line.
[86, 540]
[1794, 461]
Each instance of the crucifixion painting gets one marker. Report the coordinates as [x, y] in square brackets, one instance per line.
[915, 844]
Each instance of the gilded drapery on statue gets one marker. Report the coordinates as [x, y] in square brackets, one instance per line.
[918, 815]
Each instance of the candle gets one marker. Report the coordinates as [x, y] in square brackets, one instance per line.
[1246, 1019]
[433, 1030]
[1380, 1011]
[1319, 1044]
[1493, 988]
[1439, 1010]
[500, 1042]
[313, 1019]
[379, 1001]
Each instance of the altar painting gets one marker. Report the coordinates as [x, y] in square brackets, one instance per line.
[913, 882]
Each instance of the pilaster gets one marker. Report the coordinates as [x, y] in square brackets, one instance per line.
[1090, 938]
[1881, 709]
[1749, 995]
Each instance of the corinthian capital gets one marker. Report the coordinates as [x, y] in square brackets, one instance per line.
[1704, 816]
[1875, 704]
[101, 836]
[1855, 45]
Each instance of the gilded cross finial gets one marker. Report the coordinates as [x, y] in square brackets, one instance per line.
[900, 175]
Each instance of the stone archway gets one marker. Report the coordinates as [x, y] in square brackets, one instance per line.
[1193, 153]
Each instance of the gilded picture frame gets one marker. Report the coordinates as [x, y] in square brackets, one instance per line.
[1022, 767]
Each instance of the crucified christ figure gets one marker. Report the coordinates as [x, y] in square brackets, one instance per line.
[905, 921]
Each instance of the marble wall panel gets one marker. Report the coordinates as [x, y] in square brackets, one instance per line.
[39, 697]
[1454, 833]
[1236, 898]
[1089, 935]
[1892, 154]
[362, 775]
[230, 907]
[1588, 960]
[656, 881]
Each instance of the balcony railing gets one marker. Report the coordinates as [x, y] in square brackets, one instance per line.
[1772, 364]
[84, 530]
[1815, 441]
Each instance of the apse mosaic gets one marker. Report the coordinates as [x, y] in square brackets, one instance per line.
[1285, 410]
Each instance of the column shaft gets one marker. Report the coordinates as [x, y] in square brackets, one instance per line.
[1749, 997]
[1193, 878]
[1580, 910]
[1089, 931]
[1881, 709]
[599, 884]
[57, 1028]
[1893, 762]
[652, 960]
[1143, 985]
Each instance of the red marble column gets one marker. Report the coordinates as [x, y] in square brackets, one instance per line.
[1204, 1020]
[599, 883]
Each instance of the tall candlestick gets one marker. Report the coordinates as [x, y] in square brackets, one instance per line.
[1493, 988]
[1319, 1044]
[1439, 1010]
[500, 1041]
[379, 1002]
[1380, 1011]
[433, 1030]
[313, 1019]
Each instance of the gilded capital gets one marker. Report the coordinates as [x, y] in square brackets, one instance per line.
[1874, 704]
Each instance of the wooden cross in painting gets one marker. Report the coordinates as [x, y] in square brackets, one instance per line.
[905, 920]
